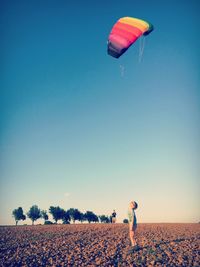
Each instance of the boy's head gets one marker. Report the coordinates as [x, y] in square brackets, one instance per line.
[133, 205]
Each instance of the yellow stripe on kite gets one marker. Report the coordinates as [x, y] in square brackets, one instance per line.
[141, 24]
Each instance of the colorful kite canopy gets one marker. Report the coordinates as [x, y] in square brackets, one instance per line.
[124, 33]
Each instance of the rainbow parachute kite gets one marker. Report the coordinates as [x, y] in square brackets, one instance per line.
[124, 33]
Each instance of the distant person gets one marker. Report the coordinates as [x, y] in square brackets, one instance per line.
[132, 224]
[113, 217]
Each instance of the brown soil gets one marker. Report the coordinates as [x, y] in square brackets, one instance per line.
[99, 245]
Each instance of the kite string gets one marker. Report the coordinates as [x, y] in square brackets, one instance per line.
[122, 69]
[141, 48]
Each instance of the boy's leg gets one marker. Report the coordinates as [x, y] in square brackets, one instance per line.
[132, 237]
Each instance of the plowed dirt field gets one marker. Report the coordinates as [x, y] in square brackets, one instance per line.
[99, 245]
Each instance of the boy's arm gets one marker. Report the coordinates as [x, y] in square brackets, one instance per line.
[134, 219]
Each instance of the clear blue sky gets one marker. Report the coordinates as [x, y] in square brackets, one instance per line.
[82, 129]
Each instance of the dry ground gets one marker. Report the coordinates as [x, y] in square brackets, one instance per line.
[99, 245]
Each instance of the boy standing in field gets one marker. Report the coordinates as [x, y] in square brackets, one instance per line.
[132, 223]
[113, 216]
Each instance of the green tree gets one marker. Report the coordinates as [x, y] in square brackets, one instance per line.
[48, 222]
[34, 213]
[74, 214]
[104, 219]
[44, 215]
[95, 219]
[82, 217]
[91, 217]
[57, 213]
[18, 214]
[66, 218]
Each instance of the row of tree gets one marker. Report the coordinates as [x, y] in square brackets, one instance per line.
[67, 216]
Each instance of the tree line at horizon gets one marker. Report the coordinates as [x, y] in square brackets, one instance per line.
[66, 216]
